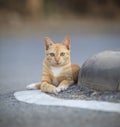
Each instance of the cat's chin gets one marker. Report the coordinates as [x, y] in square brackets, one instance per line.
[58, 65]
[55, 64]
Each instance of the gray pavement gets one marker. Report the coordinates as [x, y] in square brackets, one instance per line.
[21, 55]
[18, 114]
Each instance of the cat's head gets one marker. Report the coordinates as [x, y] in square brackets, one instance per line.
[57, 54]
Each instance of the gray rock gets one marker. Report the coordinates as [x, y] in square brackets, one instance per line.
[101, 72]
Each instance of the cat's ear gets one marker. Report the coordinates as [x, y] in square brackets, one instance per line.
[48, 42]
[66, 42]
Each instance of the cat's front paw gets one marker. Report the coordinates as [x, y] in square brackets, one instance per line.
[61, 88]
[48, 88]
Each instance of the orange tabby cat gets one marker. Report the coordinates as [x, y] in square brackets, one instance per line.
[58, 72]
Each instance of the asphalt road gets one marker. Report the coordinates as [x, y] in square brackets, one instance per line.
[21, 55]
[18, 114]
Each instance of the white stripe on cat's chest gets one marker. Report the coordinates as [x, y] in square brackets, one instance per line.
[56, 70]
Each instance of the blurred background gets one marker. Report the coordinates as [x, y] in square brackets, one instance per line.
[93, 25]
[57, 13]
[61, 8]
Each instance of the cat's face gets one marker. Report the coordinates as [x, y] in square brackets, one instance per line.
[57, 54]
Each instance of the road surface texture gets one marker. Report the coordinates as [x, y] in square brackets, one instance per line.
[21, 55]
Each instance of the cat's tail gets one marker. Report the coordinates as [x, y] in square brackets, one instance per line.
[33, 86]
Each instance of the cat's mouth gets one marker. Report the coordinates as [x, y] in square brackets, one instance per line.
[57, 63]
[60, 63]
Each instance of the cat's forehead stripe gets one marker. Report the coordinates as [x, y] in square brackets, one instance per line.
[57, 46]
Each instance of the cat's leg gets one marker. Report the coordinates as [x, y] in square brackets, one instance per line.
[64, 85]
[75, 72]
[48, 88]
[33, 86]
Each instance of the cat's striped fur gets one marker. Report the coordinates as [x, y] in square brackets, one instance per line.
[58, 72]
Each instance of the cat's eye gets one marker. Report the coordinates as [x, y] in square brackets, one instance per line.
[62, 54]
[52, 54]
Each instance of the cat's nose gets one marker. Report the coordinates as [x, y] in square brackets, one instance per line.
[57, 59]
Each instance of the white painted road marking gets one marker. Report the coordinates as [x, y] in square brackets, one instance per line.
[40, 98]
